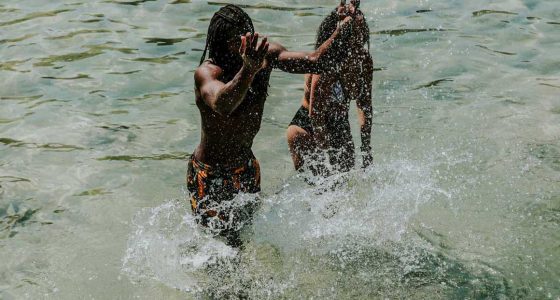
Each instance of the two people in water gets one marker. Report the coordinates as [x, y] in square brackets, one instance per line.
[231, 89]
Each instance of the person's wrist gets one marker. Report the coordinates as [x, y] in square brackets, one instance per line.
[250, 69]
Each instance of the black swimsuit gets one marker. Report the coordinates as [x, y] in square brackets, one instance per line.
[336, 122]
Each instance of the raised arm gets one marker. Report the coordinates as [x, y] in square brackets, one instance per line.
[365, 115]
[224, 98]
[315, 62]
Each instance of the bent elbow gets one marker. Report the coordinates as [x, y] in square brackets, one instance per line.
[313, 59]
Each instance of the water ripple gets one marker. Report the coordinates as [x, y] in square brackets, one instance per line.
[10, 65]
[49, 146]
[496, 51]
[78, 32]
[396, 32]
[18, 39]
[164, 41]
[267, 6]
[131, 158]
[433, 83]
[159, 60]
[489, 11]
[134, 3]
[79, 76]
[34, 16]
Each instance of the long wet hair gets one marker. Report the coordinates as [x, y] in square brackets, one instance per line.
[328, 27]
[226, 23]
[229, 22]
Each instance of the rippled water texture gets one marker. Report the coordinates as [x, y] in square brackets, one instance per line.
[97, 117]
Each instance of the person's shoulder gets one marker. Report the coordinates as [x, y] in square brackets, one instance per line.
[207, 71]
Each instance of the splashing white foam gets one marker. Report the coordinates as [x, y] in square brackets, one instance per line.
[170, 247]
[368, 207]
[373, 204]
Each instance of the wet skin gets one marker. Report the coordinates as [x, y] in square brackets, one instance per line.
[231, 103]
[330, 118]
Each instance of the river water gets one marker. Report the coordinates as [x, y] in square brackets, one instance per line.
[98, 116]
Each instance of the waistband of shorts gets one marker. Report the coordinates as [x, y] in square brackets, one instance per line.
[251, 162]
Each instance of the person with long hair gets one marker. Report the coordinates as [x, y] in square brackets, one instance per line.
[319, 135]
[231, 88]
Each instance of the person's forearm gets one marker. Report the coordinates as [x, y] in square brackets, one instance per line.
[233, 93]
[319, 61]
[324, 57]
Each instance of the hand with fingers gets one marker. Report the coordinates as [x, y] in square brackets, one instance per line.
[252, 52]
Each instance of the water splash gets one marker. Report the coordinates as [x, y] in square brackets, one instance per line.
[296, 231]
[170, 247]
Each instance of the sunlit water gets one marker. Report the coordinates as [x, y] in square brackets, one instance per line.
[97, 117]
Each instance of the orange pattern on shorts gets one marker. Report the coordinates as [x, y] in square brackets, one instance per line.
[209, 186]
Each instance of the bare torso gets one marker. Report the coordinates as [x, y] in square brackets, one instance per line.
[226, 140]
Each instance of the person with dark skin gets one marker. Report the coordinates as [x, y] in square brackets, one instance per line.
[319, 136]
[231, 89]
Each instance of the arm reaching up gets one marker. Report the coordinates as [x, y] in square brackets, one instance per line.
[316, 62]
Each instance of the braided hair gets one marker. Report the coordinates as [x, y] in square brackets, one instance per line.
[228, 22]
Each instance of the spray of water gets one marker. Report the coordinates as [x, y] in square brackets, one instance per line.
[334, 223]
